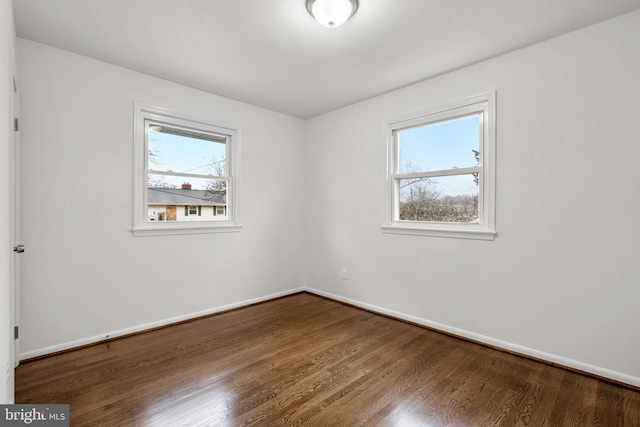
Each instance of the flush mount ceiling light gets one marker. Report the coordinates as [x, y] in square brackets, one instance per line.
[332, 13]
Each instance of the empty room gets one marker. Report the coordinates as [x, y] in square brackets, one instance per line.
[320, 212]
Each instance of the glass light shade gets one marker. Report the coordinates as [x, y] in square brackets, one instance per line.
[332, 13]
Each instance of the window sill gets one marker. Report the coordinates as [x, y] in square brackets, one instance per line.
[182, 229]
[456, 233]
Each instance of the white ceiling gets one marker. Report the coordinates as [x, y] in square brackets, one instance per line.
[272, 54]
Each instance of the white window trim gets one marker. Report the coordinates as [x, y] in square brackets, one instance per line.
[485, 229]
[159, 228]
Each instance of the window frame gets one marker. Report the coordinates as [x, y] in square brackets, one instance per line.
[142, 227]
[485, 228]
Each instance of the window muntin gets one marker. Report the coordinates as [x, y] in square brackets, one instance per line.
[441, 175]
[185, 172]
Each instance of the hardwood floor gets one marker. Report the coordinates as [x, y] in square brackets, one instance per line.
[305, 360]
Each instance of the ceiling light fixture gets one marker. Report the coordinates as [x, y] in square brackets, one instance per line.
[332, 13]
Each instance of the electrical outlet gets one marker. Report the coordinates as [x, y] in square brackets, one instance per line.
[343, 274]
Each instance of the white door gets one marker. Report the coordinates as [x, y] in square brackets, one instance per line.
[14, 147]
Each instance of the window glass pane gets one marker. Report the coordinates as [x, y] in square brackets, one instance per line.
[439, 146]
[186, 198]
[442, 199]
[172, 149]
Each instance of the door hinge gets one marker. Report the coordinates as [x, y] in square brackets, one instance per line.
[16, 124]
[16, 332]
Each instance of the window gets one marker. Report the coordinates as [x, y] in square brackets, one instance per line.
[441, 172]
[184, 168]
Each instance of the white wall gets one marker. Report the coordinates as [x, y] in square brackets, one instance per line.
[561, 280]
[85, 276]
[7, 41]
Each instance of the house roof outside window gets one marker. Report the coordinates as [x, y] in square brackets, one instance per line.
[186, 196]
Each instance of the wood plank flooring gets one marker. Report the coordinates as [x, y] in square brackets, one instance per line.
[306, 360]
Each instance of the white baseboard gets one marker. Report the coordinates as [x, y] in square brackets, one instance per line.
[504, 345]
[114, 334]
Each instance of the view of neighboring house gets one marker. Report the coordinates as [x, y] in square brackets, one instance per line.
[185, 204]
